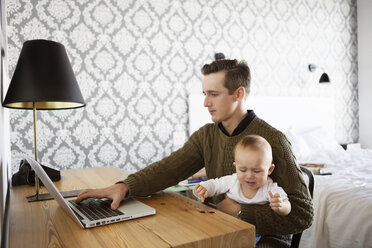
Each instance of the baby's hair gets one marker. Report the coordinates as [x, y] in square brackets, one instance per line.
[256, 143]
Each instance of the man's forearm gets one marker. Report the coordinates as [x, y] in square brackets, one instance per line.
[269, 222]
[229, 206]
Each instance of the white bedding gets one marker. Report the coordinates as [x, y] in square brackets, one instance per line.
[343, 200]
[342, 215]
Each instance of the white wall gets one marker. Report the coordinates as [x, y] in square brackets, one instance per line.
[4, 160]
[364, 8]
[4, 119]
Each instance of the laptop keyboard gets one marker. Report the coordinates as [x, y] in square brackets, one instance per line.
[96, 209]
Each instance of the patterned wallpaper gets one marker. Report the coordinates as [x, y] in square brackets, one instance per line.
[136, 61]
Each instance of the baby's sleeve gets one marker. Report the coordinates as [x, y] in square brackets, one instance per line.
[218, 186]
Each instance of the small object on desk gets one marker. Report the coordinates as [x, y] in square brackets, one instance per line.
[25, 175]
[353, 146]
[197, 180]
[321, 172]
[184, 189]
[315, 165]
[192, 181]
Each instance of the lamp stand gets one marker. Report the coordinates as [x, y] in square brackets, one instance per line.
[35, 152]
[37, 186]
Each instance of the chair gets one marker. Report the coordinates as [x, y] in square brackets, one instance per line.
[297, 237]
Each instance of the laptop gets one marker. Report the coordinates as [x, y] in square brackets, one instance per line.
[93, 212]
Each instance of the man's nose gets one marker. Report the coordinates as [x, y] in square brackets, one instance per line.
[206, 102]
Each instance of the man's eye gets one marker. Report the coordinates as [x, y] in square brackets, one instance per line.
[214, 94]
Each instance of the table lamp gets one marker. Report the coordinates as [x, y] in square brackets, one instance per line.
[44, 80]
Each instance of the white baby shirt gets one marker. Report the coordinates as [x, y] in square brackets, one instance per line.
[231, 186]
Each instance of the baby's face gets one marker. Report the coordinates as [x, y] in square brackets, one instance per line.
[252, 168]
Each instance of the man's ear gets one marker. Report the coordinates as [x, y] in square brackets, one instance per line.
[271, 169]
[240, 93]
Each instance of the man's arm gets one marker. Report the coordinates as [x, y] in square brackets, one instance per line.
[229, 206]
[169, 171]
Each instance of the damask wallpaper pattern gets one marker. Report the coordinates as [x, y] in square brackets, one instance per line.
[136, 61]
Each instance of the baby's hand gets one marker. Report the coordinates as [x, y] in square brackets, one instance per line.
[201, 192]
[278, 204]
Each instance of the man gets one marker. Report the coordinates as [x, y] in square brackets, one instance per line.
[226, 85]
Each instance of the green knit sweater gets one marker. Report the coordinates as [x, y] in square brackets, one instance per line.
[211, 148]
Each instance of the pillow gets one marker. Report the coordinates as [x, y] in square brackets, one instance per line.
[299, 146]
[319, 139]
[314, 145]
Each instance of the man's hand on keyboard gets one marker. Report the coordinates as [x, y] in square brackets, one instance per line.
[116, 193]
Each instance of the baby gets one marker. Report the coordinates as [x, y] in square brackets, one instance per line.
[251, 183]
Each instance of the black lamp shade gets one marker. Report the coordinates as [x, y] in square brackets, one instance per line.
[43, 76]
[324, 78]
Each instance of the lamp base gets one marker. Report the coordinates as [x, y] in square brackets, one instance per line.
[47, 196]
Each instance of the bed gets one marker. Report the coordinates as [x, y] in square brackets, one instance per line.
[343, 200]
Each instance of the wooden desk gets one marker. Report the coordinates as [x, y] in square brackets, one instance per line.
[178, 222]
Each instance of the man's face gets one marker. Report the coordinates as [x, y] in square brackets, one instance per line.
[220, 104]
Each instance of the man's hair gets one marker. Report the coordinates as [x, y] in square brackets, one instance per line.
[237, 73]
[256, 143]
